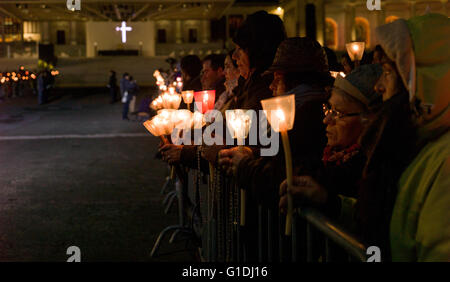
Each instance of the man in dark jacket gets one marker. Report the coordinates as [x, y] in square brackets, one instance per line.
[212, 75]
[112, 85]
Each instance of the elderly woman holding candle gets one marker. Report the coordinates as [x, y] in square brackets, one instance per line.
[404, 196]
[299, 68]
[347, 113]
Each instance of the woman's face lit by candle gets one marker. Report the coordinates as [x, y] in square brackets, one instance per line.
[389, 82]
[231, 72]
[343, 132]
[242, 60]
[278, 86]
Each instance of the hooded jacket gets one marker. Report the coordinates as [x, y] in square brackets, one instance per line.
[420, 223]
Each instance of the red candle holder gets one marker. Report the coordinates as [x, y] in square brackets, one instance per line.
[205, 100]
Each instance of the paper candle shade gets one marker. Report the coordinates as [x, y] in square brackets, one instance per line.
[166, 113]
[355, 50]
[198, 120]
[182, 119]
[204, 100]
[238, 122]
[156, 103]
[188, 96]
[171, 101]
[280, 112]
[159, 125]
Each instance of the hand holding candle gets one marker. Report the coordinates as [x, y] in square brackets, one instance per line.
[238, 122]
[280, 112]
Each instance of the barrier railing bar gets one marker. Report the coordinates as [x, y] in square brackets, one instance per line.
[334, 232]
[309, 243]
[269, 236]
[294, 239]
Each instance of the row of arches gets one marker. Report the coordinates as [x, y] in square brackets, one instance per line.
[362, 31]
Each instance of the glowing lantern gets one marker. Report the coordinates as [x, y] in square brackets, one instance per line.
[239, 122]
[355, 51]
[205, 100]
[198, 120]
[188, 97]
[166, 113]
[280, 112]
[171, 101]
[160, 125]
[156, 103]
[182, 119]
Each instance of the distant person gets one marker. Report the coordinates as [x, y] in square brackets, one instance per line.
[123, 83]
[143, 112]
[130, 92]
[347, 63]
[213, 76]
[133, 89]
[191, 66]
[377, 55]
[42, 82]
[112, 85]
[333, 63]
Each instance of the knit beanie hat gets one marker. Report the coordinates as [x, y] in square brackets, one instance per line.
[360, 83]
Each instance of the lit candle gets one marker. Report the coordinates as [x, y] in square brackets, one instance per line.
[199, 120]
[171, 101]
[239, 122]
[280, 112]
[355, 51]
[188, 97]
[160, 125]
[183, 119]
[205, 100]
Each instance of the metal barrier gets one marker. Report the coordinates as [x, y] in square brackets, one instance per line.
[314, 238]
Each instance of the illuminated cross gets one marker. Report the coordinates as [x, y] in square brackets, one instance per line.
[124, 28]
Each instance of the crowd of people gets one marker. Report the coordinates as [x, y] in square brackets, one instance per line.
[24, 82]
[370, 149]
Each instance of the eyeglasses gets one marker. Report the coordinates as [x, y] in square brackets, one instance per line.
[327, 110]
